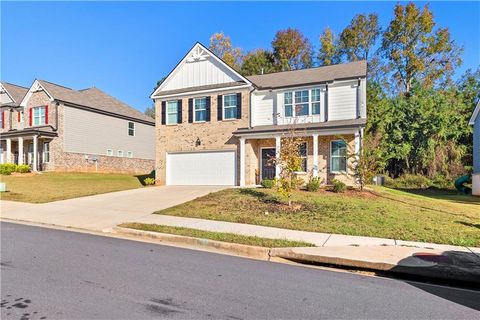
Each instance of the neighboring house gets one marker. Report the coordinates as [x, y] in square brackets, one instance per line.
[475, 122]
[216, 127]
[51, 127]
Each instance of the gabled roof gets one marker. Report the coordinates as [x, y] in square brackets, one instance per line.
[198, 53]
[15, 92]
[357, 69]
[92, 98]
[475, 114]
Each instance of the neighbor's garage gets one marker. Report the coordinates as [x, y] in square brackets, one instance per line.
[201, 168]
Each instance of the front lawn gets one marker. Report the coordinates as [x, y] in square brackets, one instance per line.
[52, 186]
[428, 216]
[218, 236]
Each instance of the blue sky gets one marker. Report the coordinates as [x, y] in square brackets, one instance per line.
[123, 48]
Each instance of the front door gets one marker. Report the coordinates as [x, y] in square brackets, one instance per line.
[268, 165]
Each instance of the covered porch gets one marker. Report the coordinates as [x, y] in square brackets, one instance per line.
[30, 147]
[324, 153]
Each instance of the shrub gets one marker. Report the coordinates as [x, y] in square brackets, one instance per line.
[409, 181]
[23, 168]
[338, 186]
[313, 184]
[149, 181]
[267, 183]
[7, 168]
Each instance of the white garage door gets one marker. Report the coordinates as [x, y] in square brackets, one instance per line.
[201, 168]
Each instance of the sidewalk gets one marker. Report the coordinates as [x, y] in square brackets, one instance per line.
[319, 239]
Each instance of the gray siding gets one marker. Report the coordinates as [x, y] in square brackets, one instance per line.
[92, 133]
[476, 145]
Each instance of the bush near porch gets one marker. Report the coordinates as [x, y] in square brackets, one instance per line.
[416, 215]
[52, 186]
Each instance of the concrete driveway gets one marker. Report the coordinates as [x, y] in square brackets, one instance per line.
[104, 211]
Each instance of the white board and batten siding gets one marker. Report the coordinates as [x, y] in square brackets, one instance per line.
[93, 134]
[202, 168]
[200, 73]
[264, 108]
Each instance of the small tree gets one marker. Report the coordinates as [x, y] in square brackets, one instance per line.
[290, 162]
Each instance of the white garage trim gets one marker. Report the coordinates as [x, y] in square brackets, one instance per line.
[213, 167]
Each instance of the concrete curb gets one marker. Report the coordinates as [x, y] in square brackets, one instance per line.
[436, 271]
[254, 252]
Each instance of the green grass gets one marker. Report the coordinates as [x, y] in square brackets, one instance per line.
[428, 216]
[52, 186]
[218, 236]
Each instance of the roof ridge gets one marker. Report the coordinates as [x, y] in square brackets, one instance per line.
[311, 68]
[56, 84]
[13, 84]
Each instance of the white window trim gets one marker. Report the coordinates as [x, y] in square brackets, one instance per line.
[306, 158]
[331, 158]
[128, 129]
[169, 113]
[44, 152]
[194, 110]
[120, 153]
[310, 102]
[39, 117]
[230, 107]
[129, 154]
[110, 152]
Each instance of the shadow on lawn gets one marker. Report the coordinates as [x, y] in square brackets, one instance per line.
[141, 178]
[469, 224]
[442, 194]
[261, 196]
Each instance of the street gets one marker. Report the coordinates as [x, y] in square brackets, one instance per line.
[53, 274]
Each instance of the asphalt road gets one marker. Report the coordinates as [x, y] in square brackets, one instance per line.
[52, 274]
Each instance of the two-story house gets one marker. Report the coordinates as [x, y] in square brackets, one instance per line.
[52, 127]
[217, 127]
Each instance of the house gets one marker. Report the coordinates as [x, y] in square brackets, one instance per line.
[475, 122]
[52, 127]
[217, 127]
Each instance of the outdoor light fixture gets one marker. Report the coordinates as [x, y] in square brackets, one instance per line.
[198, 142]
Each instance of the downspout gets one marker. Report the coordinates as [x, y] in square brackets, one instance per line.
[250, 108]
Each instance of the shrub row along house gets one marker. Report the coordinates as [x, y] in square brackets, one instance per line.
[51, 127]
[217, 127]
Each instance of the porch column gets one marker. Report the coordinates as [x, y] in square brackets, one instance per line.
[20, 150]
[278, 145]
[357, 142]
[9, 151]
[242, 162]
[35, 155]
[315, 154]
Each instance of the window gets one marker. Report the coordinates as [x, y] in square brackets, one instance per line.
[302, 151]
[287, 100]
[39, 116]
[200, 105]
[338, 156]
[315, 101]
[230, 106]
[109, 152]
[131, 129]
[129, 154]
[301, 102]
[120, 153]
[172, 112]
[46, 152]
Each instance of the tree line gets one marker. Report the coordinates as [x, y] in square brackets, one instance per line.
[417, 114]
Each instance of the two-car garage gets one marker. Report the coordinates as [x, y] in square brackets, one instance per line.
[201, 168]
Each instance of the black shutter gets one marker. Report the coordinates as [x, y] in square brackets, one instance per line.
[190, 110]
[179, 111]
[219, 108]
[208, 109]
[239, 105]
[163, 111]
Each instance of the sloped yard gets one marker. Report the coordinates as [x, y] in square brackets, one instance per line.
[424, 215]
[52, 186]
